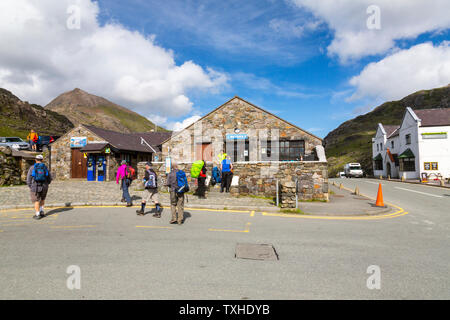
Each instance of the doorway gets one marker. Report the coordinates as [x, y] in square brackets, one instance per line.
[79, 165]
[203, 152]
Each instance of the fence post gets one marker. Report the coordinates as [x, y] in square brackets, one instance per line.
[296, 193]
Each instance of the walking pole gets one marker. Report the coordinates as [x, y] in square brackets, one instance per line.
[277, 191]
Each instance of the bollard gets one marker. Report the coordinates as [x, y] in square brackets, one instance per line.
[389, 177]
[356, 191]
[442, 184]
[381, 177]
[341, 186]
[403, 179]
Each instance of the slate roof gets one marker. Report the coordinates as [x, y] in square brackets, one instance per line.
[131, 141]
[94, 147]
[434, 117]
[390, 130]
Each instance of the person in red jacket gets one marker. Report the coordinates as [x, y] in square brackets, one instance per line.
[202, 182]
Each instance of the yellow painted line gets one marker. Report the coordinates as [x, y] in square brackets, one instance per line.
[252, 214]
[119, 206]
[154, 227]
[247, 229]
[72, 227]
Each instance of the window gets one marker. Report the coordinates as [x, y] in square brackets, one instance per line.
[408, 164]
[392, 144]
[408, 139]
[378, 147]
[292, 150]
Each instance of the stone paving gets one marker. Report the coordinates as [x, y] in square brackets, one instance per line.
[77, 192]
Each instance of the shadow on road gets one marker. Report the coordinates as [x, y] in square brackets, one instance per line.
[58, 210]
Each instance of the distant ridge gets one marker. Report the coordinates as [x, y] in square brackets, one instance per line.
[19, 117]
[82, 107]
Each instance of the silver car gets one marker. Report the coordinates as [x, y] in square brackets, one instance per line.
[14, 143]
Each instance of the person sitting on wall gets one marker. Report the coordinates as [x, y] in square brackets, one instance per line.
[33, 139]
[226, 168]
[125, 181]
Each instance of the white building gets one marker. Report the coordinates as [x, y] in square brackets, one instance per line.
[421, 144]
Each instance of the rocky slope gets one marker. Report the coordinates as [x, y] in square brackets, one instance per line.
[82, 107]
[351, 141]
[19, 117]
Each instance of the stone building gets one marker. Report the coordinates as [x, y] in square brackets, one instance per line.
[266, 151]
[92, 153]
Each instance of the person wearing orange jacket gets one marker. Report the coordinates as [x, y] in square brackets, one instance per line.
[33, 139]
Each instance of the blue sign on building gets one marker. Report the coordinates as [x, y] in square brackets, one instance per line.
[237, 136]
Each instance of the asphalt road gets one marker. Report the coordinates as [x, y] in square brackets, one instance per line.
[124, 256]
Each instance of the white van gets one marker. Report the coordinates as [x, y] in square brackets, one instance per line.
[353, 170]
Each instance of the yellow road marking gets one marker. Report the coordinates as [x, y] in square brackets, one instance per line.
[247, 229]
[252, 214]
[154, 227]
[68, 227]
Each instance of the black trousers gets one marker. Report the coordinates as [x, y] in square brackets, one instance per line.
[201, 187]
[226, 181]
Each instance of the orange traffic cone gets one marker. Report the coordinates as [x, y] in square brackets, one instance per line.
[379, 202]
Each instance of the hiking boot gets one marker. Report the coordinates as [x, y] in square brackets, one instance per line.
[140, 212]
[37, 217]
[157, 215]
[173, 221]
[122, 200]
[180, 222]
[129, 204]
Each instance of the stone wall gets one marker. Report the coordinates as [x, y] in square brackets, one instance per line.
[260, 179]
[240, 114]
[10, 168]
[62, 154]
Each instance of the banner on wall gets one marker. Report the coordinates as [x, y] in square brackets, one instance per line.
[78, 142]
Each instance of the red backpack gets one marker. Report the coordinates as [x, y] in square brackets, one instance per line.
[131, 173]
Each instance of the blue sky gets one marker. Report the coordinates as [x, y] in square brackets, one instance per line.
[313, 63]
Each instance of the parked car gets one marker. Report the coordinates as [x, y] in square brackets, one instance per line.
[44, 142]
[14, 143]
[342, 174]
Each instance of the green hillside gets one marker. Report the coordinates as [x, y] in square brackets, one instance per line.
[351, 141]
[18, 118]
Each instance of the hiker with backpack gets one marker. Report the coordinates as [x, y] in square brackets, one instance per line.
[226, 167]
[178, 185]
[38, 180]
[125, 175]
[202, 182]
[150, 191]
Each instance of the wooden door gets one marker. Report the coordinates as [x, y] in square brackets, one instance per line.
[79, 165]
[203, 151]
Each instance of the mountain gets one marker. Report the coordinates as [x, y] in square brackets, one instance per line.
[82, 107]
[19, 117]
[352, 140]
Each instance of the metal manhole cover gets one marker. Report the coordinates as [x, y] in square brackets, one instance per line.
[255, 251]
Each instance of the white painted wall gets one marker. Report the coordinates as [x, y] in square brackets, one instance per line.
[435, 150]
[410, 125]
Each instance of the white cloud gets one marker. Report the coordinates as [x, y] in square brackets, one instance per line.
[180, 125]
[420, 67]
[399, 19]
[41, 57]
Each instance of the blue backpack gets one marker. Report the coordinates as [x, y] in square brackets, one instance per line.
[151, 182]
[40, 172]
[182, 183]
[216, 174]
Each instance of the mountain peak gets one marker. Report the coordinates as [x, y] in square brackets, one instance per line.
[83, 107]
